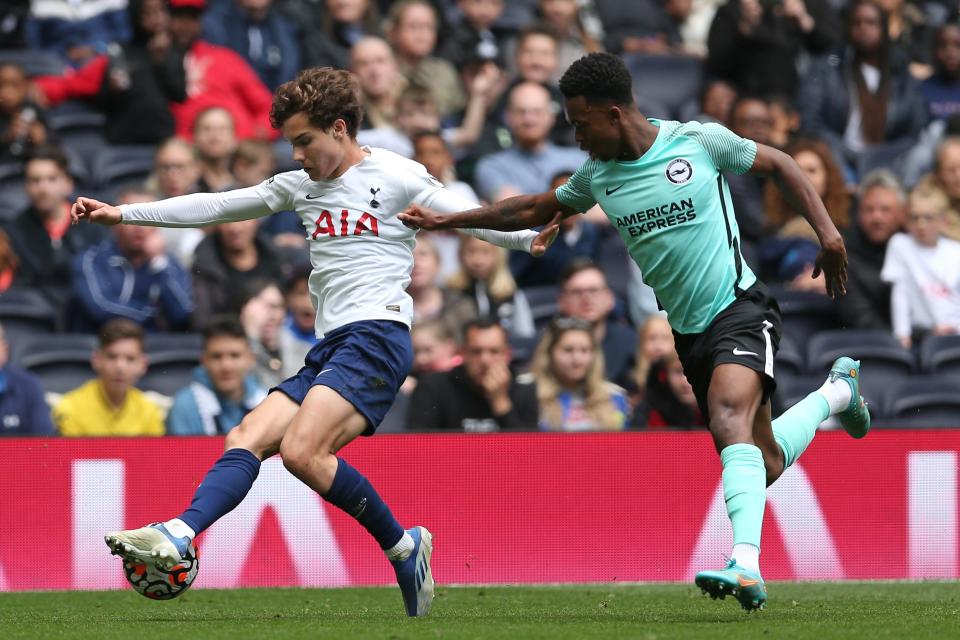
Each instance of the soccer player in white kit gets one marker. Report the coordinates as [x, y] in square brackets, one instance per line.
[348, 197]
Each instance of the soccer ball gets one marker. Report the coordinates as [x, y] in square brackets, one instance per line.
[159, 584]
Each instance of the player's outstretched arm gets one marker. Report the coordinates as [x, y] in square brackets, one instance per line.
[512, 214]
[801, 194]
[194, 210]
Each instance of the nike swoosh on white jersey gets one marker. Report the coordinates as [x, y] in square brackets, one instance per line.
[738, 352]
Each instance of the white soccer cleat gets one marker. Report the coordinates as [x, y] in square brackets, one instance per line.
[152, 543]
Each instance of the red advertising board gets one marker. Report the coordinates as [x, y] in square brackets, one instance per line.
[519, 508]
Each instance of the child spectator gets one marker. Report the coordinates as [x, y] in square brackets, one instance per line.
[571, 390]
[110, 405]
[923, 268]
[262, 313]
[654, 341]
[298, 333]
[669, 401]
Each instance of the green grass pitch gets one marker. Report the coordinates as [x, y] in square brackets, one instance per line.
[812, 610]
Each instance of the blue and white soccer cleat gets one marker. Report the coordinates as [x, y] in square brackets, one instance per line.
[746, 586]
[152, 543]
[414, 575]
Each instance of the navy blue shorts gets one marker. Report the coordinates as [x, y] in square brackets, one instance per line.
[365, 362]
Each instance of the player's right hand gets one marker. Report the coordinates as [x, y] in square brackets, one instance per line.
[94, 211]
[417, 217]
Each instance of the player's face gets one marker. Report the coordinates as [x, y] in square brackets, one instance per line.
[120, 365]
[319, 152]
[227, 360]
[596, 127]
[47, 186]
[572, 356]
[484, 349]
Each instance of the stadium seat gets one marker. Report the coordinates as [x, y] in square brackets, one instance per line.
[80, 129]
[922, 402]
[886, 155]
[35, 63]
[117, 167]
[940, 355]
[883, 359]
[13, 198]
[804, 313]
[62, 361]
[789, 360]
[25, 315]
[521, 352]
[543, 304]
[793, 389]
[668, 82]
[171, 358]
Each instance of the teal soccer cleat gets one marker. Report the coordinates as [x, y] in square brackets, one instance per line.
[746, 586]
[855, 419]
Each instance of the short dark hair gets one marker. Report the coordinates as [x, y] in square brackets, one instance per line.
[576, 266]
[325, 95]
[119, 329]
[49, 152]
[597, 77]
[482, 324]
[536, 29]
[223, 326]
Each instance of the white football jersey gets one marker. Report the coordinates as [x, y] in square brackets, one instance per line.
[362, 254]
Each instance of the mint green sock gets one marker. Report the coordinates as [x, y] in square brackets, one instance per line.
[795, 428]
[745, 491]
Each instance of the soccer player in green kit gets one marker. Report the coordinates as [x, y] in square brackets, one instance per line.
[661, 185]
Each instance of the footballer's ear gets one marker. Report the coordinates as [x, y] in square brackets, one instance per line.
[615, 113]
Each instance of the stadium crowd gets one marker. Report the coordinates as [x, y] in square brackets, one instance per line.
[145, 331]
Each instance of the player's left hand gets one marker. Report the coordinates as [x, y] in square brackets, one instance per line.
[546, 237]
[832, 262]
[417, 217]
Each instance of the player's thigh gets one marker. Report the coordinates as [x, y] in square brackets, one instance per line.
[325, 423]
[261, 431]
[733, 399]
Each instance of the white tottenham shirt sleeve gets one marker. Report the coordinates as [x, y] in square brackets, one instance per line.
[445, 201]
[198, 209]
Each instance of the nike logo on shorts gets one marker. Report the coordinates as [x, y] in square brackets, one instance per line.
[738, 352]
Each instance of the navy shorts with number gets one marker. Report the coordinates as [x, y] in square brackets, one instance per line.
[746, 333]
[365, 362]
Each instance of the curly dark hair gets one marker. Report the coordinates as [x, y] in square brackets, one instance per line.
[324, 95]
[598, 76]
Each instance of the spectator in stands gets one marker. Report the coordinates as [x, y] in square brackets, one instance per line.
[785, 119]
[946, 176]
[668, 401]
[224, 388]
[134, 84]
[412, 30]
[477, 34]
[716, 102]
[941, 91]
[262, 313]
[298, 333]
[9, 262]
[578, 238]
[219, 77]
[642, 26]
[78, 33]
[434, 348]
[131, 275]
[533, 160]
[881, 214]
[571, 390]
[330, 32]
[430, 149]
[479, 396]
[430, 300]
[417, 112]
[573, 39]
[43, 237]
[863, 94]
[923, 269]
[749, 118]
[255, 29]
[381, 83]
[22, 121]
[253, 162]
[23, 411]
[176, 172]
[755, 44]
[910, 30]
[110, 404]
[654, 341]
[484, 279]
[232, 254]
[215, 140]
[584, 294]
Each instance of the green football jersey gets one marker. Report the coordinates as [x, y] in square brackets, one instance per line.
[672, 208]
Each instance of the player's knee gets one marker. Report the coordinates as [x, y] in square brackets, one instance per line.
[729, 425]
[247, 436]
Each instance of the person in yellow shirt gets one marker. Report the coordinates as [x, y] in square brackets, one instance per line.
[110, 405]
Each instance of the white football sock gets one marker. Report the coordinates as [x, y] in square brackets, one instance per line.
[402, 550]
[747, 556]
[837, 394]
[179, 529]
